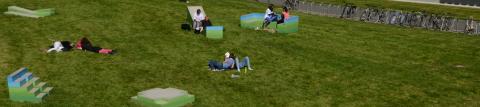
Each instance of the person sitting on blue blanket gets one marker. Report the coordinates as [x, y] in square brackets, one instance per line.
[229, 63]
[270, 16]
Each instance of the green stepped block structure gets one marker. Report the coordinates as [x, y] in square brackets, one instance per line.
[255, 21]
[169, 97]
[24, 87]
[15, 10]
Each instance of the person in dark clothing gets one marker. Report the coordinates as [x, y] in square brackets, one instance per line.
[285, 15]
[85, 44]
[67, 45]
[206, 22]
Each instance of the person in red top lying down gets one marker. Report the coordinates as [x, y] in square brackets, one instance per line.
[85, 44]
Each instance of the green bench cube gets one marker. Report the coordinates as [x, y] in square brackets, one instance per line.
[169, 97]
[289, 26]
[214, 32]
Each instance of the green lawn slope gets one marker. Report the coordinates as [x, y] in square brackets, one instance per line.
[329, 62]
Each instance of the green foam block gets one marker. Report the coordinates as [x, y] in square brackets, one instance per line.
[214, 32]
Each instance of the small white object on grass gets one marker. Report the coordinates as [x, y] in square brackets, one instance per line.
[459, 66]
[235, 76]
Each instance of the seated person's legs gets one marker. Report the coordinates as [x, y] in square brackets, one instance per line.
[268, 20]
[281, 20]
[194, 26]
[245, 63]
[274, 18]
[197, 25]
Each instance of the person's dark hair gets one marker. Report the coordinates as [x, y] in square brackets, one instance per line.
[232, 55]
[199, 11]
[285, 9]
[270, 6]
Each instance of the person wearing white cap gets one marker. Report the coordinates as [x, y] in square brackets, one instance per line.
[228, 63]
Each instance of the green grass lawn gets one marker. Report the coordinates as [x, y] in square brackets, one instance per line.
[330, 62]
[459, 12]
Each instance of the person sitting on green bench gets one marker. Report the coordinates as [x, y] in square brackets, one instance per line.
[285, 16]
[269, 16]
[197, 21]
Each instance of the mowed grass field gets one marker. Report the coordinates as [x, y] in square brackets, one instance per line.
[330, 62]
[459, 12]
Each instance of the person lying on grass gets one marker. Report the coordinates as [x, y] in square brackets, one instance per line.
[60, 46]
[229, 63]
[85, 44]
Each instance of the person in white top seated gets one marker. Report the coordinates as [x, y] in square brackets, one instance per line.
[269, 16]
[197, 21]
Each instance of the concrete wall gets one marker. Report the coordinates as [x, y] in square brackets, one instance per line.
[424, 1]
[462, 2]
[453, 2]
[433, 1]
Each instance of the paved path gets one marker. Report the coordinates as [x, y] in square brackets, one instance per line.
[424, 2]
